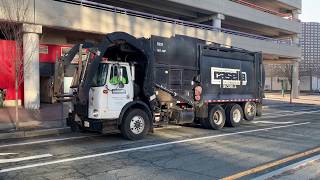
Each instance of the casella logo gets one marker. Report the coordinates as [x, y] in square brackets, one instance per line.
[229, 78]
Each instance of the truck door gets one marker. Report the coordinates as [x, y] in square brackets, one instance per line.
[120, 89]
[98, 94]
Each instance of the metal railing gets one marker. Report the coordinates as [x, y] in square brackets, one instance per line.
[119, 10]
[264, 9]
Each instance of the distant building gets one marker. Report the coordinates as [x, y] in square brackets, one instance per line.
[309, 66]
[310, 60]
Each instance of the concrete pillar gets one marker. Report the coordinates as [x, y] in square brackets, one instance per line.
[295, 14]
[31, 72]
[216, 20]
[295, 39]
[295, 80]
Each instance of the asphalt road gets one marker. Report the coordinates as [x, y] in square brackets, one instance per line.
[174, 152]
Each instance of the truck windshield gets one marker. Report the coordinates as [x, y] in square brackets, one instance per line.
[101, 75]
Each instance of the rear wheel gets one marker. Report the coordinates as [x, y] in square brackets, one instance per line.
[234, 115]
[259, 109]
[135, 125]
[217, 117]
[249, 111]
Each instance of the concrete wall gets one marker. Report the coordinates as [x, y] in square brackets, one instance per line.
[272, 84]
[305, 83]
[73, 17]
[55, 14]
[236, 10]
[294, 3]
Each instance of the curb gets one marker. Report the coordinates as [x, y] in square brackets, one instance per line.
[34, 133]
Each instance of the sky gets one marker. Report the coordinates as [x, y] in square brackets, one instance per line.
[310, 11]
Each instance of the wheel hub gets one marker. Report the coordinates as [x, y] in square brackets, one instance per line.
[250, 110]
[137, 124]
[236, 115]
[217, 117]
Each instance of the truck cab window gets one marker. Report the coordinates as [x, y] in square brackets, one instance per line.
[115, 79]
[101, 75]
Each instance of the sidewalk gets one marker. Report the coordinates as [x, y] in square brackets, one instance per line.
[276, 98]
[306, 169]
[49, 118]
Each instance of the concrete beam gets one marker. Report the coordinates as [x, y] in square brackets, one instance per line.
[209, 18]
[79, 18]
[280, 61]
[229, 8]
[293, 3]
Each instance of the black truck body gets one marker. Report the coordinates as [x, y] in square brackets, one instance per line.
[225, 74]
[178, 79]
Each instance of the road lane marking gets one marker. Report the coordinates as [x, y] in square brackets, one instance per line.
[46, 141]
[6, 154]
[288, 168]
[273, 122]
[285, 115]
[143, 147]
[11, 160]
[271, 164]
[81, 137]
[291, 111]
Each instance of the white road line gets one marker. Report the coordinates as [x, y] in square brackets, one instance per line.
[24, 158]
[273, 122]
[46, 141]
[291, 114]
[80, 137]
[288, 168]
[6, 154]
[141, 148]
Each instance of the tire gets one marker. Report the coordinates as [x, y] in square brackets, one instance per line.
[74, 126]
[135, 125]
[205, 123]
[249, 111]
[217, 117]
[234, 115]
[259, 109]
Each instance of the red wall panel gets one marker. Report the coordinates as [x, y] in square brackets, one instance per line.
[48, 53]
[7, 68]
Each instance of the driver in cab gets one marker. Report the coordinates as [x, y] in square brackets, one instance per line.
[117, 77]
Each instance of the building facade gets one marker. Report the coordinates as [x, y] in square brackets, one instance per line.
[309, 66]
[271, 27]
[310, 61]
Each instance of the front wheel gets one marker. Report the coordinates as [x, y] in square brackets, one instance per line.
[135, 125]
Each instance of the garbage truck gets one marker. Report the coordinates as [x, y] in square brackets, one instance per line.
[131, 85]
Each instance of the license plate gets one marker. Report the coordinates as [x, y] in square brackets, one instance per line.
[86, 124]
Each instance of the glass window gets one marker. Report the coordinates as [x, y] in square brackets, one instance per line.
[101, 75]
[114, 79]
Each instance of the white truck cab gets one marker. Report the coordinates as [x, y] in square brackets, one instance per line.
[111, 90]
